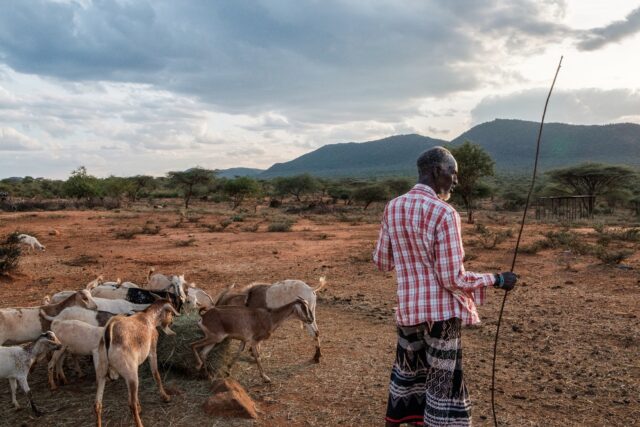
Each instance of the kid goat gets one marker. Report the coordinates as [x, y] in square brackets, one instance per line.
[16, 361]
[249, 325]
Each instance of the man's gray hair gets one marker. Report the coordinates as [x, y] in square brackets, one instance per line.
[436, 156]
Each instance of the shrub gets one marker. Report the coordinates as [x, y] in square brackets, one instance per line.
[237, 218]
[613, 257]
[127, 234]
[9, 254]
[251, 228]
[280, 226]
[147, 229]
[185, 243]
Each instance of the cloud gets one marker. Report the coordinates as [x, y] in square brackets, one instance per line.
[12, 140]
[328, 61]
[614, 32]
[582, 106]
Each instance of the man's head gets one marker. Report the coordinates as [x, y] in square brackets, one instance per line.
[438, 169]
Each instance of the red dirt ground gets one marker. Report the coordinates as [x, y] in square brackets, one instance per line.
[569, 344]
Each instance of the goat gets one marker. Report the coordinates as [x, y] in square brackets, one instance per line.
[249, 325]
[196, 299]
[89, 317]
[30, 241]
[139, 295]
[272, 296]
[16, 362]
[160, 282]
[20, 325]
[76, 337]
[127, 342]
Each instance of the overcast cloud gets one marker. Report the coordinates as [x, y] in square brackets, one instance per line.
[126, 87]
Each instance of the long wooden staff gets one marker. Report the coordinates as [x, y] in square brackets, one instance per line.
[515, 254]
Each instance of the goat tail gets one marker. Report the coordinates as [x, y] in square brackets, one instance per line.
[323, 282]
[149, 273]
[108, 335]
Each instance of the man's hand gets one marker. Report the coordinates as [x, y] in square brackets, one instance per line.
[505, 280]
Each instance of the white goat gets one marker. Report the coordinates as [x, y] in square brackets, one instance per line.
[30, 241]
[91, 317]
[272, 296]
[76, 337]
[160, 282]
[20, 325]
[16, 362]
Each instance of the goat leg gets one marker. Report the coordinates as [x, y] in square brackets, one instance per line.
[14, 386]
[153, 363]
[254, 350]
[27, 391]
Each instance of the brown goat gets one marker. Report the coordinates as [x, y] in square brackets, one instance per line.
[249, 325]
[127, 343]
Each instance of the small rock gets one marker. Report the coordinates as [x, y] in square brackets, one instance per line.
[54, 232]
[568, 282]
[625, 267]
[516, 328]
[519, 397]
[230, 400]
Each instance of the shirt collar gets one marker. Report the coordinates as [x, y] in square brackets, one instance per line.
[423, 188]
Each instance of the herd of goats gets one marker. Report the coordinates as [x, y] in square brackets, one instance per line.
[116, 323]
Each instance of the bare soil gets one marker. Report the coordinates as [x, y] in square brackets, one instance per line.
[569, 343]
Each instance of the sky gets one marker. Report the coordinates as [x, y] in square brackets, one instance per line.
[134, 87]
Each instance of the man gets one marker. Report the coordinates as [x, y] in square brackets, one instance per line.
[420, 236]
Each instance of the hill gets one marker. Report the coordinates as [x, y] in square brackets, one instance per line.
[234, 172]
[395, 155]
[511, 143]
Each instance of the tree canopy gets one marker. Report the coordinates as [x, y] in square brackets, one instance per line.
[190, 180]
[473, 164]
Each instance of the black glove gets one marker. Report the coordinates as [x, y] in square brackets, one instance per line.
[505, 280]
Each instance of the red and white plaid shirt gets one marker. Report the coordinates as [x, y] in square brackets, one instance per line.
[420, 237]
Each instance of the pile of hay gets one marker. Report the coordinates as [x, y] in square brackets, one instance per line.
[175, 354]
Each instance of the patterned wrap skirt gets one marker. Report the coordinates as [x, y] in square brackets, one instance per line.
[426, 386]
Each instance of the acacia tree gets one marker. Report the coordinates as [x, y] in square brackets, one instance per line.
[240, 188]
[592, 179]
[295, 186]
[190, 180]
[473, 164]
[81, 185]
[371, 193]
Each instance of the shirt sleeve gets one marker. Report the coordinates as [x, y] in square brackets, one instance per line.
[383, 253]
[449, 257]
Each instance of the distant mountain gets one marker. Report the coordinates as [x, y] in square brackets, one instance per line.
[395, 155]
[234, 172]
[512, 143]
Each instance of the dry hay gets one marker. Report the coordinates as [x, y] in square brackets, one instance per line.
[175, 354]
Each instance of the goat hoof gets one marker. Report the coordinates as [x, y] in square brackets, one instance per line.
[166, 398]
[266, 379]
